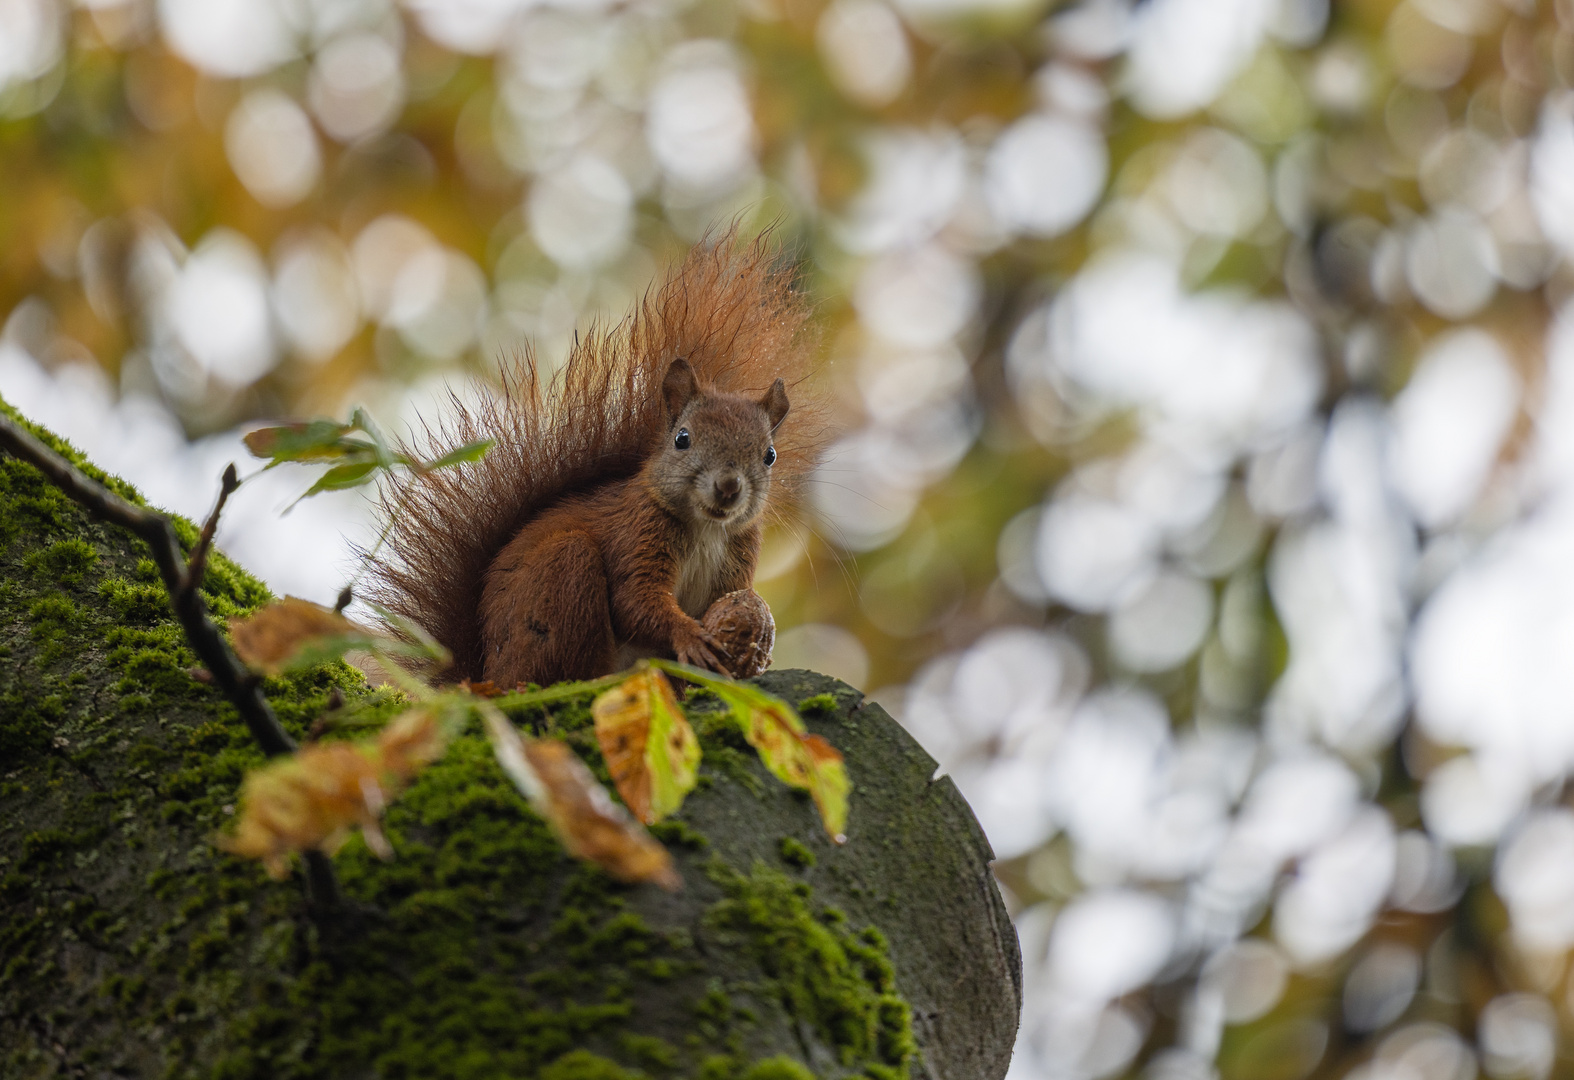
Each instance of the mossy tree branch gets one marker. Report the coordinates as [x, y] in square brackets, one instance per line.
[181, 580]
[483, 951]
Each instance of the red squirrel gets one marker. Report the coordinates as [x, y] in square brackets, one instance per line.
[623, 497]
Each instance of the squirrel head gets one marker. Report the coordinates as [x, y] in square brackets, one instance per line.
[714, 462]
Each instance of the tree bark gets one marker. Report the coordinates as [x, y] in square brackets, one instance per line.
[131, 947]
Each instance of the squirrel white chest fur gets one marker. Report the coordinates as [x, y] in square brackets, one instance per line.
[700, 569]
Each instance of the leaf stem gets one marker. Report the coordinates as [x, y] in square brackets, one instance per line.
[522, 699]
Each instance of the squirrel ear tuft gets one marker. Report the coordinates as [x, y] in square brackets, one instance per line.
[678, 387]
[775, 403]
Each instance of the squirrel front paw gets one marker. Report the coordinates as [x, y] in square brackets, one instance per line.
[697, 647]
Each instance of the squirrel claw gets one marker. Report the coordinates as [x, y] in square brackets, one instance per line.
[700, 654]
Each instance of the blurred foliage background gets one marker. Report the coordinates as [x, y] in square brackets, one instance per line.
[1205, 502]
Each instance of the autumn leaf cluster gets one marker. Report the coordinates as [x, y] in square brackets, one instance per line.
[315, 798]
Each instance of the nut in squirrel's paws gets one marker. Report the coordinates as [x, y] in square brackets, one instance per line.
[741, 624]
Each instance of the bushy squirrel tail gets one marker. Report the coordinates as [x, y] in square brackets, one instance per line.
[731, 309]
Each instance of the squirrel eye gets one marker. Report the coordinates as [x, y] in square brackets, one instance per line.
[770, 456]
[682, 441]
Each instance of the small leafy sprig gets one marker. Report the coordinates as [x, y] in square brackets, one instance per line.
[356, 451]
[312, 800]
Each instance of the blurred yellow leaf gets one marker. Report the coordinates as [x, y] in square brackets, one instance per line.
[830, 787]
[410, 743]
[292, 634]
[798, 758]
[274, 638]
[313, 798]
[649, 747]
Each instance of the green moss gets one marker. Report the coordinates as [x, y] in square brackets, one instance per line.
[54, 617]
[679, 834]
[133, 603]
[719, 1067]
[583, 1065]
[824, 975]
[725, 750]
[133, 764]
[46, 845]
[54, 609]
[654, 1054]
[435, 989]
[795, 853]
[819, 703]
[778, 1068]
[62, 563]
[723, 1067]
[714, 1007]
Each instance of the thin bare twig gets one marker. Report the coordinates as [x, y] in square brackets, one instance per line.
[199, 554]
[231, 677]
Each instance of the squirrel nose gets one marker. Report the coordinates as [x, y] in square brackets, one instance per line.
[728, 490]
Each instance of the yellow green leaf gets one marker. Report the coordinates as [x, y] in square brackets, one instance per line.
[649, 747]
[784, 744]
[463, 455]
[350, 474]
[796, 757]
[306, 441]
[831, 786]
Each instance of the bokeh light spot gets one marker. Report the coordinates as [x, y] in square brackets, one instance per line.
[272, 148]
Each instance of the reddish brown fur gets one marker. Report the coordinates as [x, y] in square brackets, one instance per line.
[614, 552]
[565, 482]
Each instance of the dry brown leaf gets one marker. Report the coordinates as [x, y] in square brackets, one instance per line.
[410, 743]
[311, 799]
[274, 638]
[593, 826]
[587, 821]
